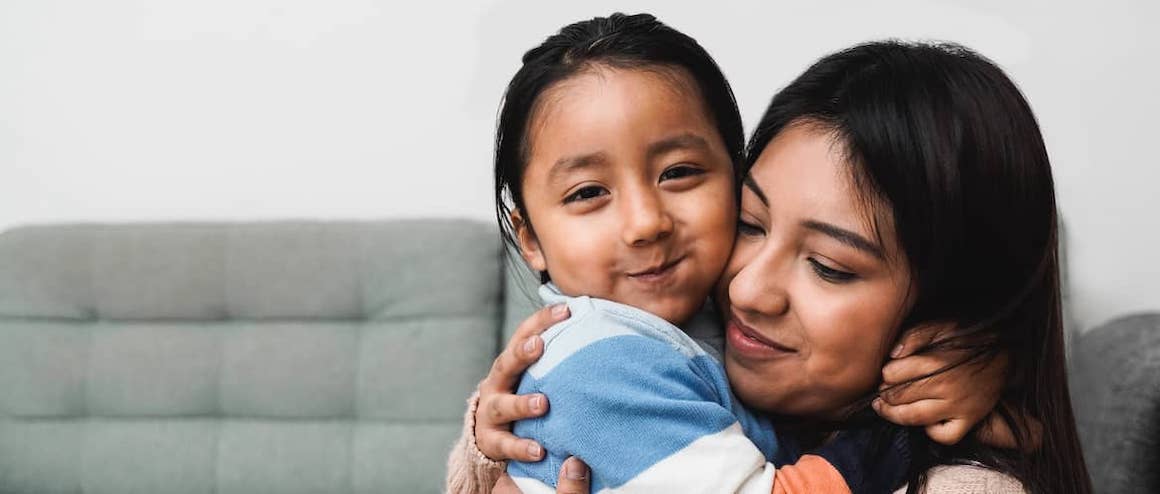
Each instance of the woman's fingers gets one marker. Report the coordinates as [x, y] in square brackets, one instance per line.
[574, 478]
[492, 434]
[522, 349]
[500, 444]
[505, 408]
[498, 407]
[515, 448]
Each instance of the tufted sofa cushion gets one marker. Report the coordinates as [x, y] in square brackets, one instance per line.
[241, 358]
[1116, 395]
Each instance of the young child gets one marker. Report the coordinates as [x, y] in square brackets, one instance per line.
[617, 147]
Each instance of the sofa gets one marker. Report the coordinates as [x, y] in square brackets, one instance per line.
[286, 357]
[325, 357]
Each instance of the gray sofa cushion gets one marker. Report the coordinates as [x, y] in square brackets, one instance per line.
[1116, 396]
[268, 357]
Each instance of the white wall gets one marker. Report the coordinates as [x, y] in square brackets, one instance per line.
[243, 109]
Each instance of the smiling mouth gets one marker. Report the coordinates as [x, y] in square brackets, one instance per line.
[749, 339]
[657, 272]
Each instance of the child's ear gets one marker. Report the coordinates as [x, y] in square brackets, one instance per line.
[529, 245]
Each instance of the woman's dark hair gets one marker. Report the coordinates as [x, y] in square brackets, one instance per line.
[942, 142]
[619, 41]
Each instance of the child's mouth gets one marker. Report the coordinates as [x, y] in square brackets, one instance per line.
[658, 273]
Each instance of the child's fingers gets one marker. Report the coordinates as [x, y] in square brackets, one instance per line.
[949, 432]
[925, 389]
[919, 413]
[573, 478]
[996, 431]
[918, 337]
[912, 367]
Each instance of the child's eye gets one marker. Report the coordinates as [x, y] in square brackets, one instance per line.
[749, 229]
[830, 274]
[585, 193]
[680, 171]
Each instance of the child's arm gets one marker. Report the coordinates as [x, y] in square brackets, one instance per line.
[644, 416]
[649, 419]
[470, 471]
[823, 472]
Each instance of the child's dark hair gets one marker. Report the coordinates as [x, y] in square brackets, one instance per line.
[618, 41]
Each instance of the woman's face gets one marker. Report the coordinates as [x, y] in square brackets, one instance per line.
[812, 297]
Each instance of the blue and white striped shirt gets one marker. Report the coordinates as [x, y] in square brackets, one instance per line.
[646, 406]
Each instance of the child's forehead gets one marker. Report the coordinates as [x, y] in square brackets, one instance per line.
[595, 80]
[598, 99]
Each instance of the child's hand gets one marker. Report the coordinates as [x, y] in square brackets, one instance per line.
[948, 404]
[499, 407]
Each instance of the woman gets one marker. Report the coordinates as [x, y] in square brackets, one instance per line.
[892, 185]
[924, 166]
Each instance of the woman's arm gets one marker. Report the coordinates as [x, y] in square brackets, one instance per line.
[477, 459]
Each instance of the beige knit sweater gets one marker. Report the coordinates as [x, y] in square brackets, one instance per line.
[469, 471]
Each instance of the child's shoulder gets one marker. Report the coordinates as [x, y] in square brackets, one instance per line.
[611, 329]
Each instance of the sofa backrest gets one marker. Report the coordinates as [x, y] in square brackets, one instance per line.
[241, 358]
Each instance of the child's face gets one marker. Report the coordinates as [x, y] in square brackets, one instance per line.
[629, 191]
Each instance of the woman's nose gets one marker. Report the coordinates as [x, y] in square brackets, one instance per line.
[760, 287]
[645, 220]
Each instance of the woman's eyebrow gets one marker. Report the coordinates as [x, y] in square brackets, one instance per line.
[845, 236]
[752, 185]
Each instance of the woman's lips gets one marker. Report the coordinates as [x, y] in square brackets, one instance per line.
[746, 341]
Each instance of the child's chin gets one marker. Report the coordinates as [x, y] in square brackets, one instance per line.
[673, 311]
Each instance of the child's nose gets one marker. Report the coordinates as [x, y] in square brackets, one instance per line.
[646, 221]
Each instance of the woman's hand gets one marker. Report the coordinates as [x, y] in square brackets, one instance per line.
[499, 407]
[948, 404]
[573, 479]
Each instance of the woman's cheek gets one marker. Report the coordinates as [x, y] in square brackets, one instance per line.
[846, 343]
[739, 256]
[847, 375]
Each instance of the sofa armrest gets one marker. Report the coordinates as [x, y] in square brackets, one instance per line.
[1115, 392]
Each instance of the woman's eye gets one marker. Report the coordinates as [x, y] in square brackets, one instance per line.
[680, 171]
[830, 274]
[749, 229]
[585, 193]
